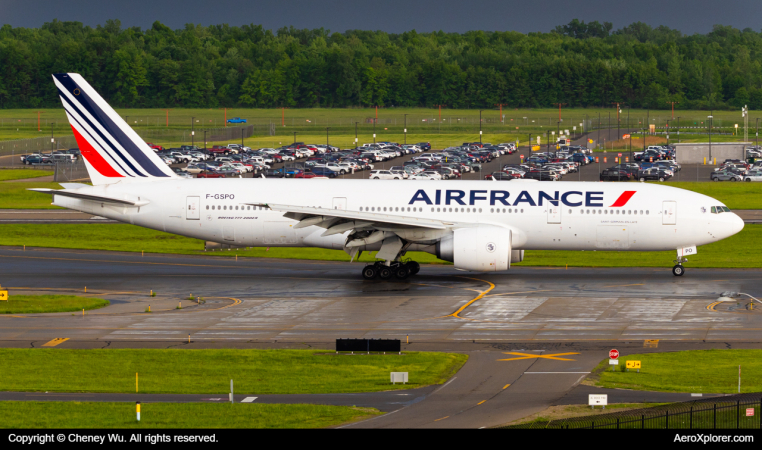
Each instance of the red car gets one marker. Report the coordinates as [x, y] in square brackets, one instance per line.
[210, 175]
[305, 175]
[157, 148]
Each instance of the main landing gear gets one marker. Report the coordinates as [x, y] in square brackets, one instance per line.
[679, 270]
[397, 269]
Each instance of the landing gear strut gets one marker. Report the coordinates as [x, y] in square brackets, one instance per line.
[396, 269]
[679, 270]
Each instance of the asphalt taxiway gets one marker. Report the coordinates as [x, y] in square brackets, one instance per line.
[532, 334]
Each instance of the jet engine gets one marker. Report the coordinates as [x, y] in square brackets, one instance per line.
[483, 249]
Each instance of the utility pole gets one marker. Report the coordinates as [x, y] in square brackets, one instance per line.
[38, 120]
[226, 116]
[167, 110]
[673, 108]
[678, 129]
[501, 111]
[405, 129]
[559, 110]
[440, 111]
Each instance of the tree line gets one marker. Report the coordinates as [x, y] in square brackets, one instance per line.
[579, 64]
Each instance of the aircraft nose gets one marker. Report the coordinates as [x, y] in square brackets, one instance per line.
[737, 224]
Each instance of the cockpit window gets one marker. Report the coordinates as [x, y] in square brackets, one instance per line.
[726, 209]
[714, 210]
[720, 209]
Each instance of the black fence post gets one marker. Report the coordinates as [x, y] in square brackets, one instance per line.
[714, 419]
[666, 421]
[642, 421]
[760, 413]
[691, 423]
[617, 423]
[738, 414]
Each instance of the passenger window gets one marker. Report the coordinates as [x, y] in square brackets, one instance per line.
[647, 212]
[437, 209]
[432, 209]
[522, 211]
[207, 206]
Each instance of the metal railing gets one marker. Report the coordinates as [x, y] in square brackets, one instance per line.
[731, 412]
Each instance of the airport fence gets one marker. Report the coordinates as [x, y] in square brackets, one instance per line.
[70, 172]
[168, 138]
[731, 412]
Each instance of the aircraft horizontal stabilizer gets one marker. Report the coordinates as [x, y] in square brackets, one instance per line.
[91, 197]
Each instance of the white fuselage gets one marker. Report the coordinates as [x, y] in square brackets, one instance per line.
[653, 217]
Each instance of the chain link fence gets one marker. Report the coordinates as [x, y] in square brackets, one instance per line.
[731, 412]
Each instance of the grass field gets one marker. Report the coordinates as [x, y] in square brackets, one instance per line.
[702, 371]
[25, 304]
[15, 195]
[20, 174]
[568, 411]
[737, 251]
[210, 371]
[51, 415]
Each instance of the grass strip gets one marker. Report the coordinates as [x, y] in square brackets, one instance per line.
[20, 174]
[24, 304]
[21, 415]
[210, 371]
[15, 195]
[570, 411]
[694, 371]
[737, 251]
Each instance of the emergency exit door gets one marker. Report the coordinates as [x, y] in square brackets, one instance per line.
[554, 214]
[192, 208]
[669, 213]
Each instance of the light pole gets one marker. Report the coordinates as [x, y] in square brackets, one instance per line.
[356, 134]
[193, 132]
[52, 139]
[599, 130]
[757, 143]
[480, 125]
[294, 137]
[678, 129]
[326, 137]
[711, 119]
[374, 130]
[405, 129]
[204, 139]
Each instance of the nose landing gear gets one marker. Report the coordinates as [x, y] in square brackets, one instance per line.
[678, 270]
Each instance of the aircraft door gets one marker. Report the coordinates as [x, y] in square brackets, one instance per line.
[554, 214]
[340, 203]
[669, 213]
[192, 208]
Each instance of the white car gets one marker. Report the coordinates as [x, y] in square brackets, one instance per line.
[753, 175]
[400, 172]
[384, 175]
[179, 157]
[433, 174]
[241, 167]
[421, 176]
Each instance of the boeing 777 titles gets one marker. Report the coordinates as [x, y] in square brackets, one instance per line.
[478, 225]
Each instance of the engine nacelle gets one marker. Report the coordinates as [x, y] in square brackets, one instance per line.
[483, 249]
[517, 255]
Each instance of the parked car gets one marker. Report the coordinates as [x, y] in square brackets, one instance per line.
[236, 120]
[384, 175]
[324, 172]
[725, 175]
[210, 175]
[615, 174]
[753, 175]
[653, 173]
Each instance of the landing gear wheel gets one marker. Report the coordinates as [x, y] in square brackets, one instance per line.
[414, 267]
[678, 270]
[402, 272]
[369, 272]
[384, 272]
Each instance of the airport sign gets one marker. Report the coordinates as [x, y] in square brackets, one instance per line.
[749, 412]
[633, 364]
[613, 353]
[597, 400]
[4, 296]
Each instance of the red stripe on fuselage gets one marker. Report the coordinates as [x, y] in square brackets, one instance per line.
[623, 199]
[94, 158]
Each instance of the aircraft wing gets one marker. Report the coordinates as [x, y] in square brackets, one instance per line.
[338, 220]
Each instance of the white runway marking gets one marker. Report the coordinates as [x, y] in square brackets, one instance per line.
[248, 399]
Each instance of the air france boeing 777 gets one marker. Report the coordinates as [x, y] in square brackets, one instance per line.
[478, 225]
